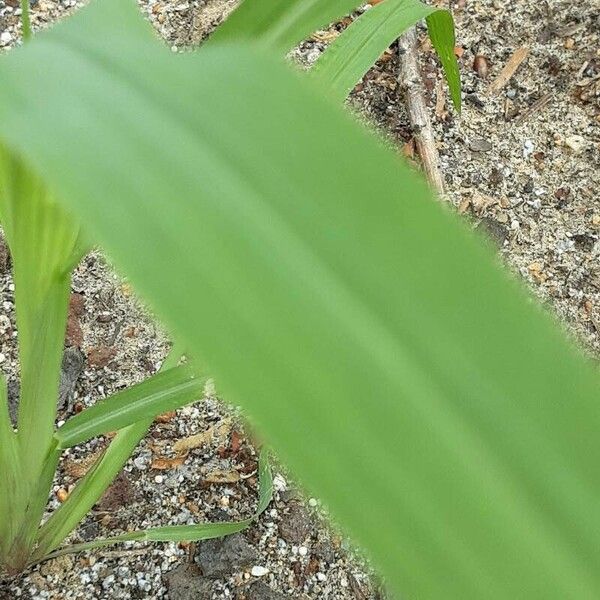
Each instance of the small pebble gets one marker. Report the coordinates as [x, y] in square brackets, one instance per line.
[258, 571]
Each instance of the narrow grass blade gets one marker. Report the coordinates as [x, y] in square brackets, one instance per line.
[162, 392]
[357, 48]
[440, 25]
[279, 25]
[91, 487]
[188, 533]
[36, 499]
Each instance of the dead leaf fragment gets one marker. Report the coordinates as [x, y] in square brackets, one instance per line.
[163, 463]
[78, 468]
[481, 201]
[222, 476]
[165, 417]
[535, 269]
[204, 438]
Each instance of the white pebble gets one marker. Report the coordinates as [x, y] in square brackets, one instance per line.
[303, 551]
[279, 483]
[575, 142]
[6, 38]
[159, 479]
[259, 571]
[312, 502]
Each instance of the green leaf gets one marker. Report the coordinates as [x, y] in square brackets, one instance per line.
[91, 487]
[400, 373]
[9, 477]
[43, 240]
[158, 394]
[440, 25]
[278, 25]
[359, 46]
[187, 533]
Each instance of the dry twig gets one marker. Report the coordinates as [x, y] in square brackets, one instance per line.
[510, 68]
[411, 85]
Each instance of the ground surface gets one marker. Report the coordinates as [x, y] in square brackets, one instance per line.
[524, 171]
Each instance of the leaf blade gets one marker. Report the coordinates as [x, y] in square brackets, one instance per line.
[326, 261]
[187, 533]
[158, 394]
[357, 48]
[279, 25]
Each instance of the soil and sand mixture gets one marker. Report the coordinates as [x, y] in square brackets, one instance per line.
[521, 163]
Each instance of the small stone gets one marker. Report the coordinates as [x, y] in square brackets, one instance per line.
[225, 556]
[495, 230]
[480, 66]
[528, 148]
[6, 38]
[576, 143]
[295, 526]
[142, 462]
[57, 567]
[258, 571]
[186, 583]
[159, 479]
[104, 317]
[279, 483]
[477, 144]
[261, 591]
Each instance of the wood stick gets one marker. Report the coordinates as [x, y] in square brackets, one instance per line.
[411, 84]
[510, 68]
[535, 107]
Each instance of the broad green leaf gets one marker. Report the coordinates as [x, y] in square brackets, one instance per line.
[357, 48]
[195, 532]
[278, 25]
[399, 372]
[158, 394]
